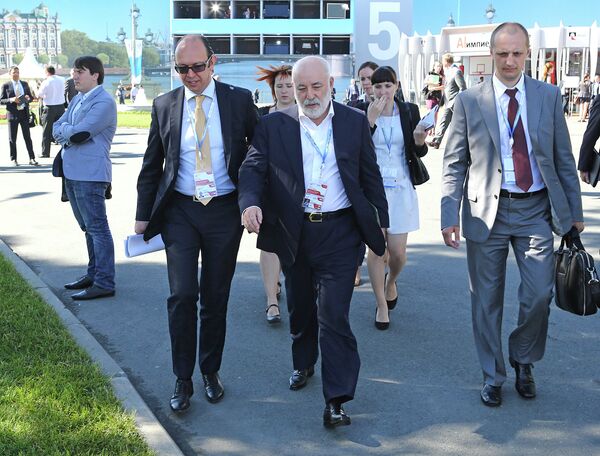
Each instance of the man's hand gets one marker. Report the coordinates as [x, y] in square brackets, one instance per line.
[579, 225]
[584, 176]
[252, 218]
[140, 227]
[451, 235]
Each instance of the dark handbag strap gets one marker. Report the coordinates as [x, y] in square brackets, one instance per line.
[572, 240]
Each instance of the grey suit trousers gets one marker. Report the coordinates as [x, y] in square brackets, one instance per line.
[442, 125]
[524, 224]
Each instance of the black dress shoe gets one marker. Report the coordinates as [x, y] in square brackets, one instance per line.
[491, 395]
[391, 303]
[381, 325]
[334, 415]
[273, 319]
[80, 284]
[93, 292]
[524, 384]
[213, 387]
[300, 377]
[180, 401]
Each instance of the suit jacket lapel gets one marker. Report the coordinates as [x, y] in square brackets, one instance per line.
[487, 105]
[405, 123]
[292, 144]
[339, 127]
[224, 101]
[534, 110]
[176, 116]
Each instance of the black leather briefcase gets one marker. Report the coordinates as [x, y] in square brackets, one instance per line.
[577, 284]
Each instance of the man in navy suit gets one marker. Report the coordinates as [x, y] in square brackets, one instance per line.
[16, 95]
[187, 192]
[85, 132]
[311, 188]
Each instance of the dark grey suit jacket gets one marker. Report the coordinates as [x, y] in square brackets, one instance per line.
[273, 171]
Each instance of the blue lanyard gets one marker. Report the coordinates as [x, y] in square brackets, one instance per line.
[388, 141]
[323, 155]
[511, 129]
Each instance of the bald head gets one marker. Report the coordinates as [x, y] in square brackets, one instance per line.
[193, 40]
[313, 64]
[511, 29]
[312, 87]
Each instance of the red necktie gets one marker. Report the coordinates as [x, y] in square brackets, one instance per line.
[520, 153]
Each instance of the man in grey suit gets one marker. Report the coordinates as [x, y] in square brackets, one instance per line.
[454, 82]
[85, 132]
[509, 163]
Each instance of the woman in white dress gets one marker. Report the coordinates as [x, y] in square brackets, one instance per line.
[399, 143]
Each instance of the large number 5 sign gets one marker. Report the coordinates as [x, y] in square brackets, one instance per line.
[377, 27]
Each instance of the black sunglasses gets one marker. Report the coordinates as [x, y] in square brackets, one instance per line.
[196, 67]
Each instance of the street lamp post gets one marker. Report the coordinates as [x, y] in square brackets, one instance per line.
[490, 13]
[122, 36]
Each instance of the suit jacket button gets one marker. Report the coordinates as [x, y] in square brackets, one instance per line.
[496, 196]
[499, 170]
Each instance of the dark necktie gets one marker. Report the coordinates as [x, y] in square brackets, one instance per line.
[520, 153]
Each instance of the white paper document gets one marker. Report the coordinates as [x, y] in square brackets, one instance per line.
[135, 245]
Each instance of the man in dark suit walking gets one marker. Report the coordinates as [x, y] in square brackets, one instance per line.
[587, 154]
[16, 95]
[198, 138]
[312, 168]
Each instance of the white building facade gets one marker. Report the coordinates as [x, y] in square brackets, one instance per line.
[37, 30]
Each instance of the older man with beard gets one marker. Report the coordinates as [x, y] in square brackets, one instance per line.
[311, 188]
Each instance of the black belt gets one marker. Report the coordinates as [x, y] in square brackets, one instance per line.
[179, 195]
[318, 217]
[513, 195]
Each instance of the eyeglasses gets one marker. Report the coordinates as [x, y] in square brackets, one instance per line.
[196, 67]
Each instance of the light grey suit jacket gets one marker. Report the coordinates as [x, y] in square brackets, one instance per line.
[88, 161]
[472, 171]
[453, 84]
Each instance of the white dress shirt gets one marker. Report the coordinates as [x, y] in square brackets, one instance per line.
[52, 91]
[336, 197]
[502, 100]
[187, 155]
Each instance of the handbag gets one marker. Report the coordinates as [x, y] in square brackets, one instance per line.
[595, 171]
[32, 119]
[577, 284]
[57, 165]
[418, 171]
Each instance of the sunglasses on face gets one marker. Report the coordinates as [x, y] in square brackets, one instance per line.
[196, 67]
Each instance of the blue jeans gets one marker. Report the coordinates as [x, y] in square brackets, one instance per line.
[89, 208]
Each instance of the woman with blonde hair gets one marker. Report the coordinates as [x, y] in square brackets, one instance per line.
[279, 79]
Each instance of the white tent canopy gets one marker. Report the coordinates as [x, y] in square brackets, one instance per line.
[29, 68]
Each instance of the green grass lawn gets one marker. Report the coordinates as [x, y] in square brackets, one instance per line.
[53, 400]
[129, 119]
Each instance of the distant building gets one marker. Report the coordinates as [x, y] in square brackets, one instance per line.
[37, 30]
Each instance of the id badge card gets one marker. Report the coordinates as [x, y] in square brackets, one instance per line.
[390, 177]
[315, 196]
[205, 185]
[509, 170]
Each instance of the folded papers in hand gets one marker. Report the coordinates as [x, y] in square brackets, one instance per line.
[135, 245]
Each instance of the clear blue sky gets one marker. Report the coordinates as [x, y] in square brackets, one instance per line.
[96, 17]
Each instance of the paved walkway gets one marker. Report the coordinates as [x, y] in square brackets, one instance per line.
[419, 385]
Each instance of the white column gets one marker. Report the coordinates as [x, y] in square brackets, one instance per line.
[261, 41]
[291, 44]
[320, 44]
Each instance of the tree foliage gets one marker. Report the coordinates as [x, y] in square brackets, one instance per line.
[62, 59]
[17, 58]
[43, 59]
[76, 43]
[104, 58]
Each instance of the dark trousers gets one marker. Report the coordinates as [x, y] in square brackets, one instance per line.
[319, 286]
[50, 114]
[215, 231]
[14, 120]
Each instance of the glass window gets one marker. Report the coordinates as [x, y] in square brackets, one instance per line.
[186, 10]
[220, 44]
[276, 9]
[247, 45]
[247, 10]
[336, 45]
[307, 10]
[216, 10]
[306, 44]
[333, 9]
[276, 45]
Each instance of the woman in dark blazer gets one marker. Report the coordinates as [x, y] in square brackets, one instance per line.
[279, 79]
[399, 141]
